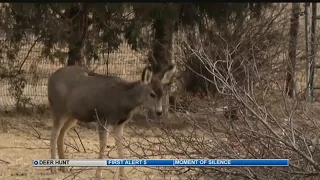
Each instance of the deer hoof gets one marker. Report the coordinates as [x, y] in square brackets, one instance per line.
[65, 169]
[98, 174]
[98, 178]
[123, 177]
[54, 170]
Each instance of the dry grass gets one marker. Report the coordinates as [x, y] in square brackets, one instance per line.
[24, 139]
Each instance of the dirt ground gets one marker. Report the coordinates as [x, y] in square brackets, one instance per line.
[28, 139]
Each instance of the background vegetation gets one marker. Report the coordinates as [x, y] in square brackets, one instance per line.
[239, 93]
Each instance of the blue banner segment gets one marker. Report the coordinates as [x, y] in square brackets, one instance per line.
[140, 162]
[260, 162]
[197, 162]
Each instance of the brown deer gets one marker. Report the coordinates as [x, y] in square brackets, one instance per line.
[76, 94]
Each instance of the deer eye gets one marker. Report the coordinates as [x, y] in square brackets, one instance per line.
[153, 95]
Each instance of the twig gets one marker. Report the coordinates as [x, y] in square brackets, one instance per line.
[21, 65]
[6, 162]
[84, 149]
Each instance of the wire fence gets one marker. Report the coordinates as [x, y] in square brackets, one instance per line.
[125, 63]
[36, 69]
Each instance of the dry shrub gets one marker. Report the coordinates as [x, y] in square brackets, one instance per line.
[251, 43]
[247, 71]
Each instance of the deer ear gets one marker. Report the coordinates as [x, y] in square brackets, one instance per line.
[146, 75]
[169, 74]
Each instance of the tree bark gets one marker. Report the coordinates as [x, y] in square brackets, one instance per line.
[162, 52]
[291, 66]
[78, 15]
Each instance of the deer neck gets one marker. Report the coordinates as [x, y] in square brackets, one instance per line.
[135, 95]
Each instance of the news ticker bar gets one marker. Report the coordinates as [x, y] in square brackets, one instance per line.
[159, 162]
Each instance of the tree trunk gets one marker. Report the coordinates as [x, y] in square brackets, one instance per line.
[162, 52]
[78, 15]
[291, 66]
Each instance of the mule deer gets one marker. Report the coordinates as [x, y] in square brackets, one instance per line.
[76, 94]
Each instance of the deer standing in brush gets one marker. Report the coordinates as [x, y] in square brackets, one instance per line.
[76, 94]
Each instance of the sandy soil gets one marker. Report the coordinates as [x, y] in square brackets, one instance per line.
[29, 139]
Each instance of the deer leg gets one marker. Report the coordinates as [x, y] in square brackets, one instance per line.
[118, 133]
[103, 138]
[55, 131]
[66, 127]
